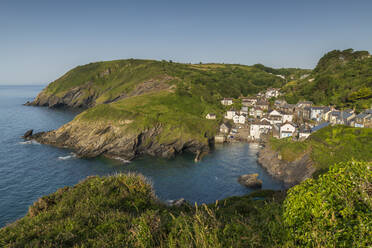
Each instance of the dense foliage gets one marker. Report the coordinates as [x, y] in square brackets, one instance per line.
[333, 211]
[328, 146]
[341, 78]
[122, 211]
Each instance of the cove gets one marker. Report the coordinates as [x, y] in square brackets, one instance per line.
[29, 170]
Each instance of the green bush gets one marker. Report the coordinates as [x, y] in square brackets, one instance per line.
[334, 210]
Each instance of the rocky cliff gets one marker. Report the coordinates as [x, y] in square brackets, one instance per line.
[290, 173]
[114, 141]
[83, 96]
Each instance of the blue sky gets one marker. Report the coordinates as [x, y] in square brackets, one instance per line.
[41, 40]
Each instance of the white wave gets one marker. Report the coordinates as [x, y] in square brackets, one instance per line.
[72, 155]
[29, 142]
[122, 160]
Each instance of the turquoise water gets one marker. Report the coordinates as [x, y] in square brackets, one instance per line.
[30, 170]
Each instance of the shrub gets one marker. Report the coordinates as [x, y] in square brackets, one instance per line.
[334, 210]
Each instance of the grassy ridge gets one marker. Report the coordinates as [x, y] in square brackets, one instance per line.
[194, 90]
[122, 211]
[181, 117]
[341, 78]
[328, 146]
[112, 78]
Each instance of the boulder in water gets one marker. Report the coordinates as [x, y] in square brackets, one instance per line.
[28, 134]
[250, 180]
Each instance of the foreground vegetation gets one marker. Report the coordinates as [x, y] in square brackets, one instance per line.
[341, 78]
[328, 146]
[122, 211]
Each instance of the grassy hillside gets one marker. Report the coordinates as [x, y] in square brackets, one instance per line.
[341, 78]
[146, 93]
[122, 211]
[112, 78]
[328, 146]
[181, 116]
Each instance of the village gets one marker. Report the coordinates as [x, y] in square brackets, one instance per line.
[258, 118]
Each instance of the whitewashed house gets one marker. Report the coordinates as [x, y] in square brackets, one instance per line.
[227, 101]
[249, 101]
[244, 110]
[272, 93]
[304, 133]
[287, 118]
[242, 119]
[256, 112]
[258, 128]
[211, 116]
[275, 117]
[225, 128]
[230, 114]
[318, 113]
[236, 119]
[286, 130]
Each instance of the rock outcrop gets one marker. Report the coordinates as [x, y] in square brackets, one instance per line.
[28, 134]
[291, 173]
[250, 180]
[78, 97]
[115, 141]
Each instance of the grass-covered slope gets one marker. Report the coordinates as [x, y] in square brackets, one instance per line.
[122, 211]
[328, 146]
[107, 81]
[341, 78]
[159, 106]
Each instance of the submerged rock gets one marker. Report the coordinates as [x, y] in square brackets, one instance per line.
[250, 180]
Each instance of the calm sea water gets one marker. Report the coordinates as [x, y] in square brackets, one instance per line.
[29, 171]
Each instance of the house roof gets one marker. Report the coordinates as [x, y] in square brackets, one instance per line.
[290, 123]
[320, 126]
[226, 124]
[264, 122]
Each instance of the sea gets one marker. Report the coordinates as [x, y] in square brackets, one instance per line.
[29, 170]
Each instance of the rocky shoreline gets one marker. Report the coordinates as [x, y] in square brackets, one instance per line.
[93, 140]
[291, 173]
[109, 141]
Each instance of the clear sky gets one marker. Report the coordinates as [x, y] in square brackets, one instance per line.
[41, 40]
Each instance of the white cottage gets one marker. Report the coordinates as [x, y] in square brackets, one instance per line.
[227, 101]
[242, 119]
[211, 116]
[287, 130]
[230, 114]
[236, 118]
[287, 118]
[258, 128]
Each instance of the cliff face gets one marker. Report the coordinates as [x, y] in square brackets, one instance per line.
[78, 97]
[114, 141]
[291, 173]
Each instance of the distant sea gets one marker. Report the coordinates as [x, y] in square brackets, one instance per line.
[29, 170]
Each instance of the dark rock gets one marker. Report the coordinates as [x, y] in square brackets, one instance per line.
[28, 134]
[250, 180]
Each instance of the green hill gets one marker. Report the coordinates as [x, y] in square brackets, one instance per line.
[328, 146]
[122, 211]
[341, 78]
[107, 81]
[147, 107]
